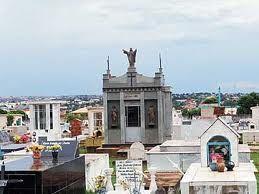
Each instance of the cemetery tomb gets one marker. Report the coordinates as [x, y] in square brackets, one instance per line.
[137, 108]
[221, 140]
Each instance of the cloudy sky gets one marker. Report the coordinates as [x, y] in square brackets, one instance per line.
[59, 47]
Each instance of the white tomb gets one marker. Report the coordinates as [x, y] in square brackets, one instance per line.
[222, 139]
[251, 135]
[184, 152]
[45, 120]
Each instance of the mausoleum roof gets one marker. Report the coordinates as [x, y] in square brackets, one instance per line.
[221, 120]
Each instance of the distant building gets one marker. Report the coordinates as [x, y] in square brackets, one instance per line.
[251, 135]
[95, 119]
[207, 111]
[17, 120]
[190, 104]
[76, 127]
[45, 120]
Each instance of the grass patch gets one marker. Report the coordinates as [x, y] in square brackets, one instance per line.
[82, 150]
[255, 157]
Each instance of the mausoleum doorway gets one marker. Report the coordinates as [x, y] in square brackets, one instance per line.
[218, 145]
[133, 123]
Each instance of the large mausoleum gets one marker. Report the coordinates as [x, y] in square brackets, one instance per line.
[136, 107]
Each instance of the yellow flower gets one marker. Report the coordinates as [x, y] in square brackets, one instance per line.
[36, 148]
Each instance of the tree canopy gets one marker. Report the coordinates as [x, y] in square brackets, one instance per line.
[246, 102]
[191, 113]
[25, 116]
[210, 100]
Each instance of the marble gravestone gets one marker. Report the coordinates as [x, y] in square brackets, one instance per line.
[137, 151]
[69, 149]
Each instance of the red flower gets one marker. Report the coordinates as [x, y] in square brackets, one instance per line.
[24, 139]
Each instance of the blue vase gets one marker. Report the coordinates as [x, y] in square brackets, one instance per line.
[101, 191]
[213, 166]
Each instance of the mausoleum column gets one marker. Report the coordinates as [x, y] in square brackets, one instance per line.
[142, 115]
[105, 117]
[160, 116]
[32, 117]
[122, 117]
[48, 116]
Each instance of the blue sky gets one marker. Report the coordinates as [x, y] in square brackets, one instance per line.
[60, 47]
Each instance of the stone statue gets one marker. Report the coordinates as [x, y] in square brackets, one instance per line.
[131, 56]
[151, 115]
[114, 117]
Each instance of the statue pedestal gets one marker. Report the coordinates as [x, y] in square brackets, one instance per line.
[131, 69]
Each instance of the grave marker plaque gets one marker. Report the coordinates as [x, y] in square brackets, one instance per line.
[69, 148]
[129, 170]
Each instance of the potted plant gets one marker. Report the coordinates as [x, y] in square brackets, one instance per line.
[54, 150]
[36, 150]
[213, 164]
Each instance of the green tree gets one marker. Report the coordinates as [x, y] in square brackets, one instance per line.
[10, 119]
[246, 102]
[230, 103]
[191, 113]
[210, 100]
[24, 115]
[71, 116]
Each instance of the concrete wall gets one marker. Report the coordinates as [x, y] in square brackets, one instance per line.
[250, 136]
[151, 135]
[255, 116]
[162, 162]
[183, 160]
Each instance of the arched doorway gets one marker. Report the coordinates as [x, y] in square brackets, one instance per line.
[218, 145]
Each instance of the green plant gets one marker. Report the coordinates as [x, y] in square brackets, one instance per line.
[210, 100]
[54, 148]
[10, 119]
[246, 102]
[71, 116]
[3, 111]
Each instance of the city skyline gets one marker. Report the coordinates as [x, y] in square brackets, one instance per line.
[52, 48]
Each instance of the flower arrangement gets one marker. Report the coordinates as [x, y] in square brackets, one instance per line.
[54, 148]
[125, 184]
[100, 184]
[36, 148]
[21, 139]
[24, 138]
[17, 139]
[215, 157]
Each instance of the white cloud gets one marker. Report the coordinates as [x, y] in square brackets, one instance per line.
[241, 86]
[49, 23]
